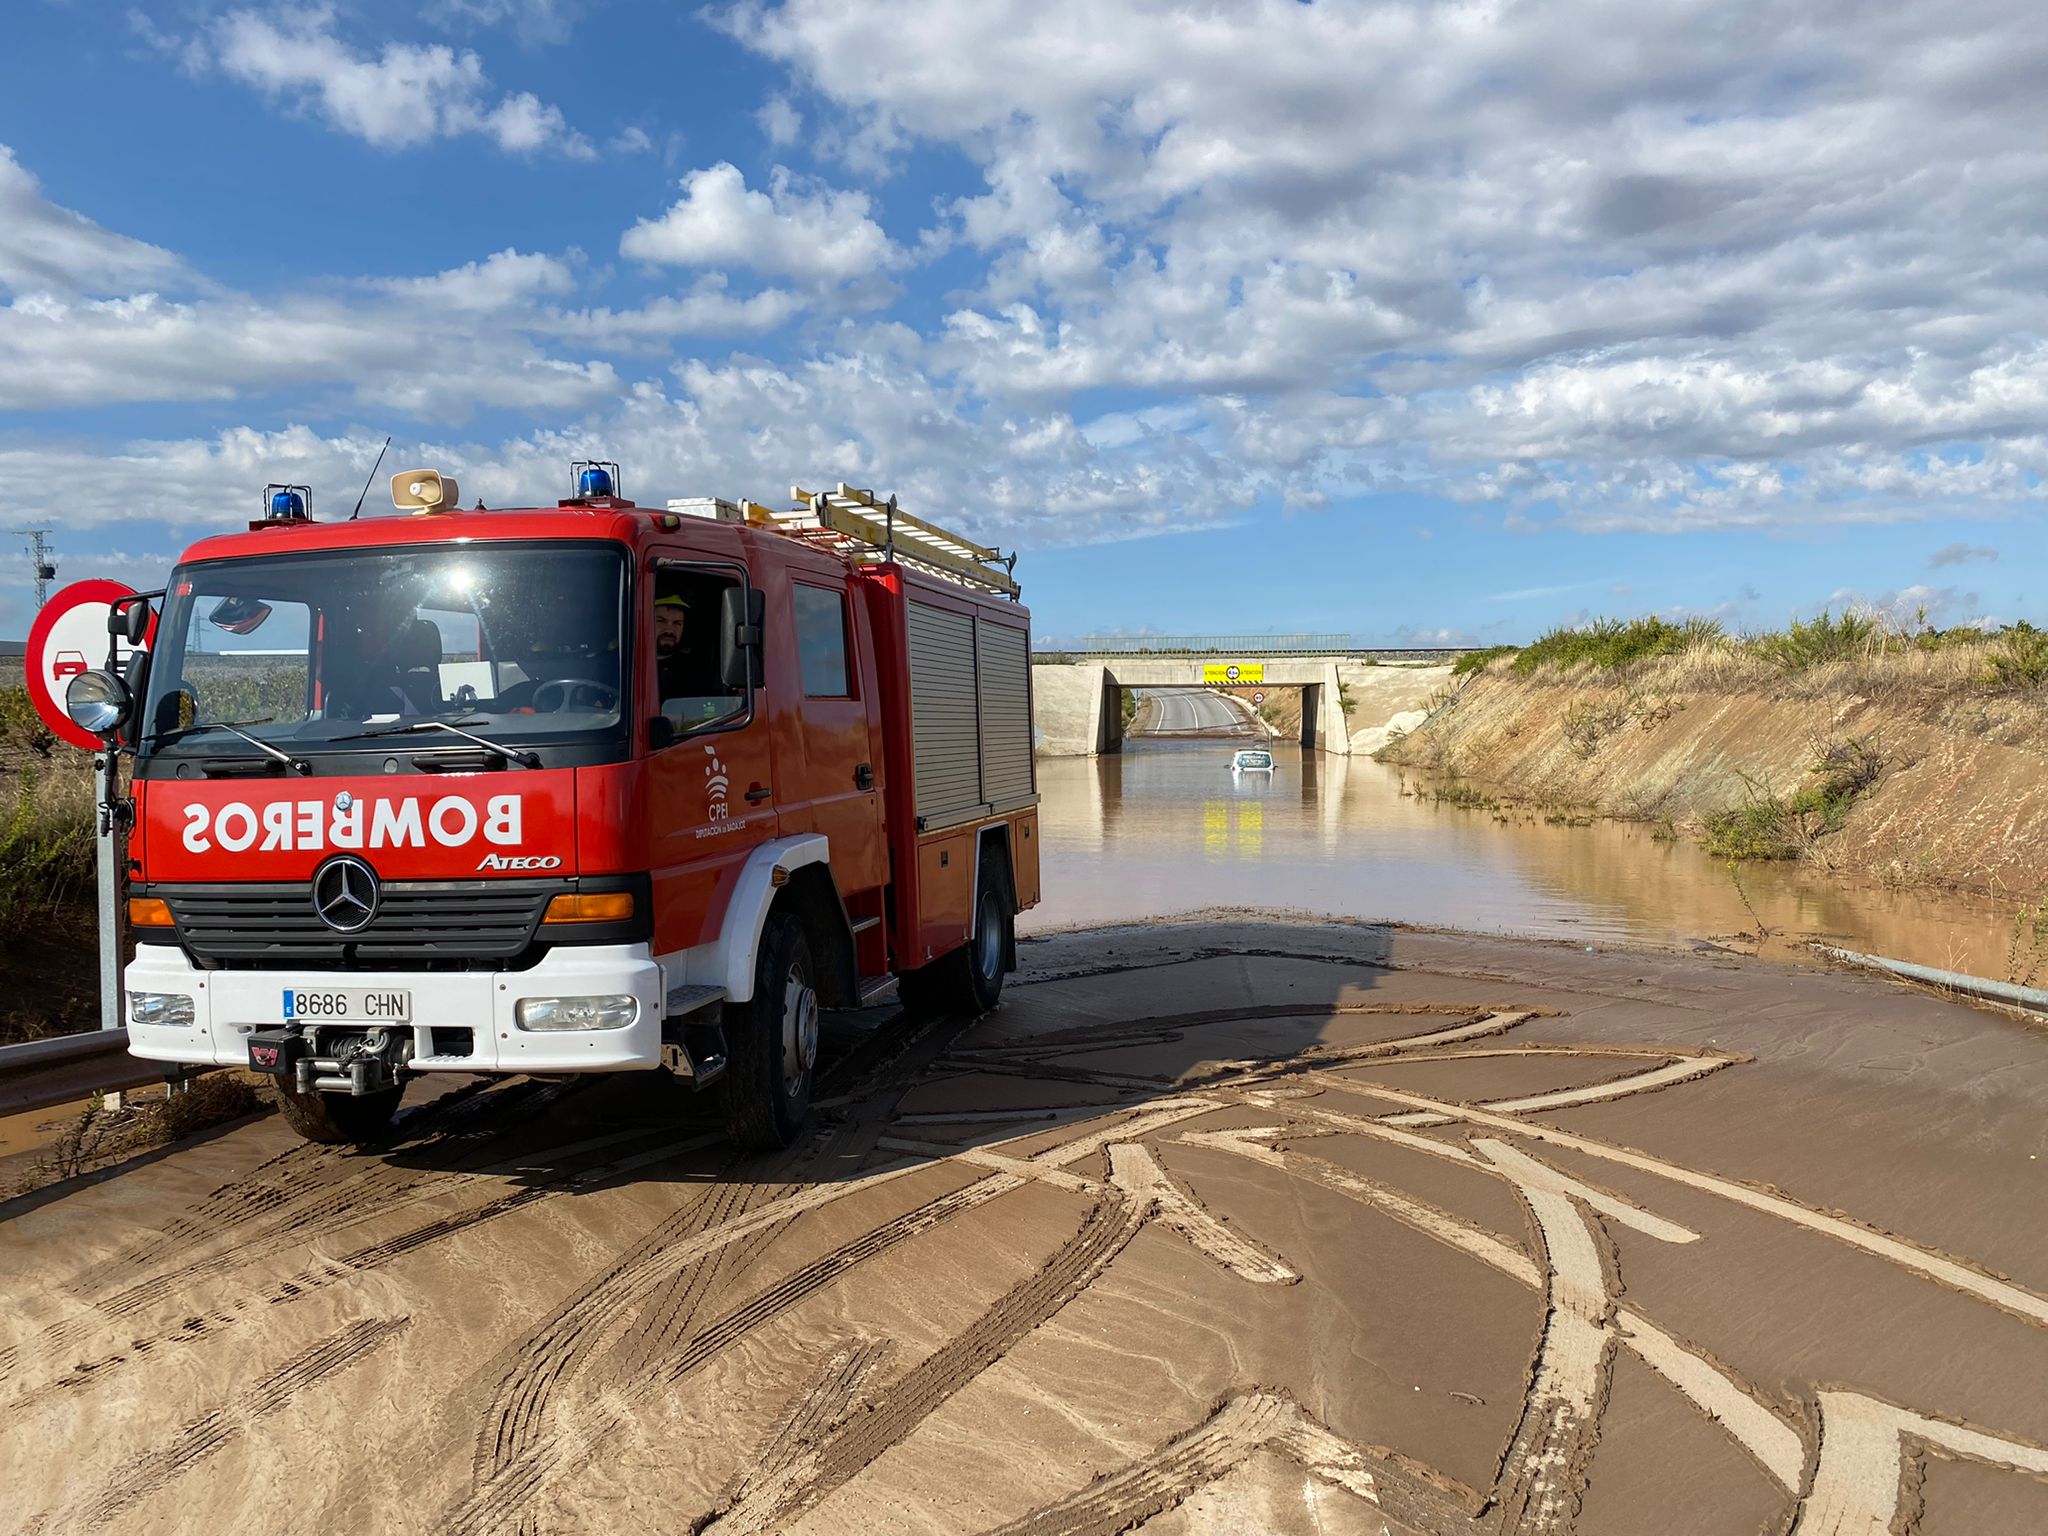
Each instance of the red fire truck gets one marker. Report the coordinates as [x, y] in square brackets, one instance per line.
[594, 787]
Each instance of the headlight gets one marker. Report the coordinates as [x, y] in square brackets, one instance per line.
[614, 1011]
[97, 701]
[169, 1010]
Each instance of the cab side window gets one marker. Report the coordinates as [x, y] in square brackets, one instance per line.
[821, 641]
[686, 602]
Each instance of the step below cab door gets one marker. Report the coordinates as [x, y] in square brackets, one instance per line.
[711, 772]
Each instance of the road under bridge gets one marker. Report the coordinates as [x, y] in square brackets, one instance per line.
[1078, 706]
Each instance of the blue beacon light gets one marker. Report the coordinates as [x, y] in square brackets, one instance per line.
[594, 481]
[287, 504]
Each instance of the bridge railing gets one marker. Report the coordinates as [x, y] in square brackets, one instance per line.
[1208, 645]
[1098, 647]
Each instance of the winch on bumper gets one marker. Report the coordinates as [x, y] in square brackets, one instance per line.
[460, 1021]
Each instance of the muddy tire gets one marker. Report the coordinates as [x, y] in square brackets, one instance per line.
[772, 1042]
[339, 1118]
[969, 981]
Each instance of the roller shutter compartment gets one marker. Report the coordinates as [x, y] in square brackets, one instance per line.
[1003, 664]
[942, 713]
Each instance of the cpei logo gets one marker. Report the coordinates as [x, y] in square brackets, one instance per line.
[716, 783]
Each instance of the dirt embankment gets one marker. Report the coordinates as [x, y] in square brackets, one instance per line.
[1959, 797]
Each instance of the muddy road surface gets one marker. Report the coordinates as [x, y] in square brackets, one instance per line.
[1217, 1227]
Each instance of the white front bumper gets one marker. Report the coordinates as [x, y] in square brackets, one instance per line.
[228, 1005]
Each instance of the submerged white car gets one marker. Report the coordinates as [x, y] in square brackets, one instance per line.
[1252, 760]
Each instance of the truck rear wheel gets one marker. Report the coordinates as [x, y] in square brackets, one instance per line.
[772, 1041]
[970, 980]
[339, 1118]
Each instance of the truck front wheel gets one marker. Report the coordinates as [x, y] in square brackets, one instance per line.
[772, 1041]
[339, 1118]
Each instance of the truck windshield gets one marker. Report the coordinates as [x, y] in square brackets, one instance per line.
[520, 642]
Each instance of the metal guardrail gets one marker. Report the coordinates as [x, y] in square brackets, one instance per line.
[39, 1073]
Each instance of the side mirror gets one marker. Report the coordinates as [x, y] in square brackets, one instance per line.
[129, 620]
[99, 702]
[661, 733]
[742, 611]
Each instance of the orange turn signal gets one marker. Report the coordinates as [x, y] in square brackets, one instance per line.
[149, 912]
[610, 907]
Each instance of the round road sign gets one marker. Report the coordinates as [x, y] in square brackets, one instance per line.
[68, 637]
[1231, 672]
[1258, 695]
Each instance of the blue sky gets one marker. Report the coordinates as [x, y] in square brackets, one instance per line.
[1410, 321]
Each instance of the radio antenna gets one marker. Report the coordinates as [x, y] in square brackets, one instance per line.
[371, 481]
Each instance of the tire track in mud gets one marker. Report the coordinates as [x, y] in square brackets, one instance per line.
[1239, 1429]
[210, 1432]
[1139, 1192]
[824, 1403]
[658, 1287]
[1105, 1231]
[308, 1169]
[349, 1266]
[524, 1451]
[1476, 1024]
[501, 1495]
[286, 1201]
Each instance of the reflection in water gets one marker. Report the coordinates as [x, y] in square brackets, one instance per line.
[1166, 827]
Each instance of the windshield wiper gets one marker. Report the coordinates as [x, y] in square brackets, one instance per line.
[414, 727]
[276, 754]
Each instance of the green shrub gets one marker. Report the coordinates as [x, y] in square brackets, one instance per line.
[1768, 826]
[1826, 638]
[2018, 659]
[1475, 661]
[1615, 643]
[21, 729]
[47, 854]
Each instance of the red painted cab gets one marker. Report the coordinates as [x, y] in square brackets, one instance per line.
[591, 787]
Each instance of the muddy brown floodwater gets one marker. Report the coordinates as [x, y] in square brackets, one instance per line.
[1166, 827]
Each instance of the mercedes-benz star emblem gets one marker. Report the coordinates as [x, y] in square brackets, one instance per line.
[345, 894]
[344, 800]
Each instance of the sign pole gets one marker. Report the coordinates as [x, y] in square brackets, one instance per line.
[109, 897]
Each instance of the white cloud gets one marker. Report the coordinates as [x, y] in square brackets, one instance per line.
[815, 235]
[746, 427]
[45, 248]
[630, 141]
[534, 22]
[1961, 554]
[1657, 268]
[501, 281]
[780, 121]
[403, 96]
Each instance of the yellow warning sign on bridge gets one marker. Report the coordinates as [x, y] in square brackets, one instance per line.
[1233, 672]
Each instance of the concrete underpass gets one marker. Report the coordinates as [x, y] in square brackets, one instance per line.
[1078, 706]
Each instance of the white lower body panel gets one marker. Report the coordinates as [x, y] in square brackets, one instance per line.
[228, 1005]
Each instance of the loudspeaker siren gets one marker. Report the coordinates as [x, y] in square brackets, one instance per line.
[424, 490]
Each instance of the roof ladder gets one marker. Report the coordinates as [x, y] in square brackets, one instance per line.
[853, 523]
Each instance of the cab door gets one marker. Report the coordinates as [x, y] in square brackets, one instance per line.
[830, 770]
[711, 762]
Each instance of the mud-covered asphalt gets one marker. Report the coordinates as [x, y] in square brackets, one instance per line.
[1218, 1227]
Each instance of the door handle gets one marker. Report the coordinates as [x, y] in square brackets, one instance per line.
[864, 776]
[758, 793]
